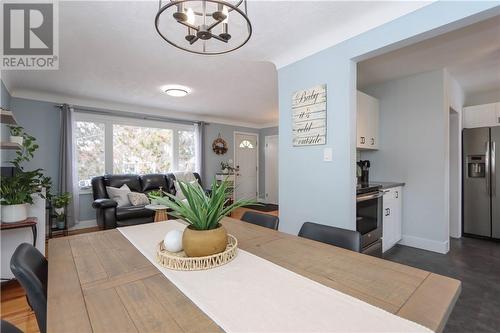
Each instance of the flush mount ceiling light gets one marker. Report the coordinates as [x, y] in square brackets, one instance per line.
[204, 26]
[176, 91]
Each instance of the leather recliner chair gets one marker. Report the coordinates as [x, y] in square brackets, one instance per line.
[110, 216]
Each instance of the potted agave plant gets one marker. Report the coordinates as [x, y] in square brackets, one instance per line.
[205, 235]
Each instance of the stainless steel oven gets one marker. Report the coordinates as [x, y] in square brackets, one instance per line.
[369, 219]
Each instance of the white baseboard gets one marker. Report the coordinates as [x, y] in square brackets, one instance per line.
[84, 224]
[425, 244]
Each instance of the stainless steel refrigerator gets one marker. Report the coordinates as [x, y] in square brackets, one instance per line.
[481, 182]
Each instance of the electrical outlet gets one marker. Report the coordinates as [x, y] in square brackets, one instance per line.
[327, 154]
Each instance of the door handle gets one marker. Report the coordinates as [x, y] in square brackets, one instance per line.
[387, 211]
[493, 169]
[363, 140]
[487, 167]
[373, 141]
[397, 194]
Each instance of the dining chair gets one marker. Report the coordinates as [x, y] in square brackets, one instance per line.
[347, 239]
[29, 267]
[263, 220]
[7, 327]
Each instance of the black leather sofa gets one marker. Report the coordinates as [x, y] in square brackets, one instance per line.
[110, 216]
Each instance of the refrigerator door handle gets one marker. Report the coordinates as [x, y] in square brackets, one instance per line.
[487, 167]
[493, 167]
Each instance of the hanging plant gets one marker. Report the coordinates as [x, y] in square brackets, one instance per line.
[219, 146]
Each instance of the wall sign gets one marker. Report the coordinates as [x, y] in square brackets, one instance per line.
[309, 116]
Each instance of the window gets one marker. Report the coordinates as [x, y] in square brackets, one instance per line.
[141, 149]
[115, 145]
[246, 144]
[89, 141]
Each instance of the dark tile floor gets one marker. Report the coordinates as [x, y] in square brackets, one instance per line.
[476, 263]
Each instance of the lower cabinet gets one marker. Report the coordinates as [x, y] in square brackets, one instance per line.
[392, 217]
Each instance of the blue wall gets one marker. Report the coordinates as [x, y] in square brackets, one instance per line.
[324, 192]
[41, 120]
[4, 96]
[5, 103]
[212, 160]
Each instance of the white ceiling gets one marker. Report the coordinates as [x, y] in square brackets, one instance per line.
[110, 55]
[471, 55]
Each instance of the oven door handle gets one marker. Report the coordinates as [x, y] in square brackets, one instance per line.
[369, 197]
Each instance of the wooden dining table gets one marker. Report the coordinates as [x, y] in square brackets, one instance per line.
[99, 282]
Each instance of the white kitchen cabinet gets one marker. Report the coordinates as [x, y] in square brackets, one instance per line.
[485, 115]
[392, 217]
[367, 122]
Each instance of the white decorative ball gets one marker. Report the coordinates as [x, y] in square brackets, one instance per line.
[173, 241]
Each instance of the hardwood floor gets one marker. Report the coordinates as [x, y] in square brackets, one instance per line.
[15, 308]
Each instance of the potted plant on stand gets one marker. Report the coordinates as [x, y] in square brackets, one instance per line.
[16, 192]
[60, 203]
[205, 235]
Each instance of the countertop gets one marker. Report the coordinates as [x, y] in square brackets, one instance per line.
[387, 185]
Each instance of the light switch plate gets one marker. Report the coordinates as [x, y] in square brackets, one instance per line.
[327, 154]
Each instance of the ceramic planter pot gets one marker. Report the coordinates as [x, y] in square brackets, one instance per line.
[16, 139]
[201, 243]
[60, 224]
[14, 213]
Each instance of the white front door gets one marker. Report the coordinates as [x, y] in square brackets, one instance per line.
[245, 159]
[271, 171]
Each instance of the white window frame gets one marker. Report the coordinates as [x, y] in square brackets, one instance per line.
[109, 121]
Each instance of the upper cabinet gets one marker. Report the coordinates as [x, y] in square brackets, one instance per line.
[367, 122]
[485, 115]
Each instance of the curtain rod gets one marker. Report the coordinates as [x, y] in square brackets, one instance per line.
[134, 115]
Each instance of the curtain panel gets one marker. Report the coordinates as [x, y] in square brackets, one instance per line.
[68, 176]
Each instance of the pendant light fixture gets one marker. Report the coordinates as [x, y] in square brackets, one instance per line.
[206, 27]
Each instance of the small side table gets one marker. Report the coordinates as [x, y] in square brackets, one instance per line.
[160, 212]
[30, 222]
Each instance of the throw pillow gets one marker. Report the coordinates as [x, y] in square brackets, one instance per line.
[138, 199]
[178, 191]
[120, 195]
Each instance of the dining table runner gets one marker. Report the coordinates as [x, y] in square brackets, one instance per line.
[251, 294]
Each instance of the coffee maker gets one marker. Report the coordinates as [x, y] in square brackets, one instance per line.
[363, 172]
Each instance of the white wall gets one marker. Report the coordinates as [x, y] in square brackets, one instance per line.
[455, 101]
[484, 97]
[414, 148]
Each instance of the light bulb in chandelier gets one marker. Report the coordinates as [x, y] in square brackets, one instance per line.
[190, 16]
[225, 26]
[225, 11]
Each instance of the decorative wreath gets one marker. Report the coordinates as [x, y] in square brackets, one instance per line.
[219, 146]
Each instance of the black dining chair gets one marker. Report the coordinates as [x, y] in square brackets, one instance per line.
[263, 220]
[7, 327]
[347, 239]
[29, 267]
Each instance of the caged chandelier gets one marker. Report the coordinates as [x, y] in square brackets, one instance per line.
[204, 26]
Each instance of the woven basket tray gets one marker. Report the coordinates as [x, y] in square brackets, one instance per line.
[180, 262]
